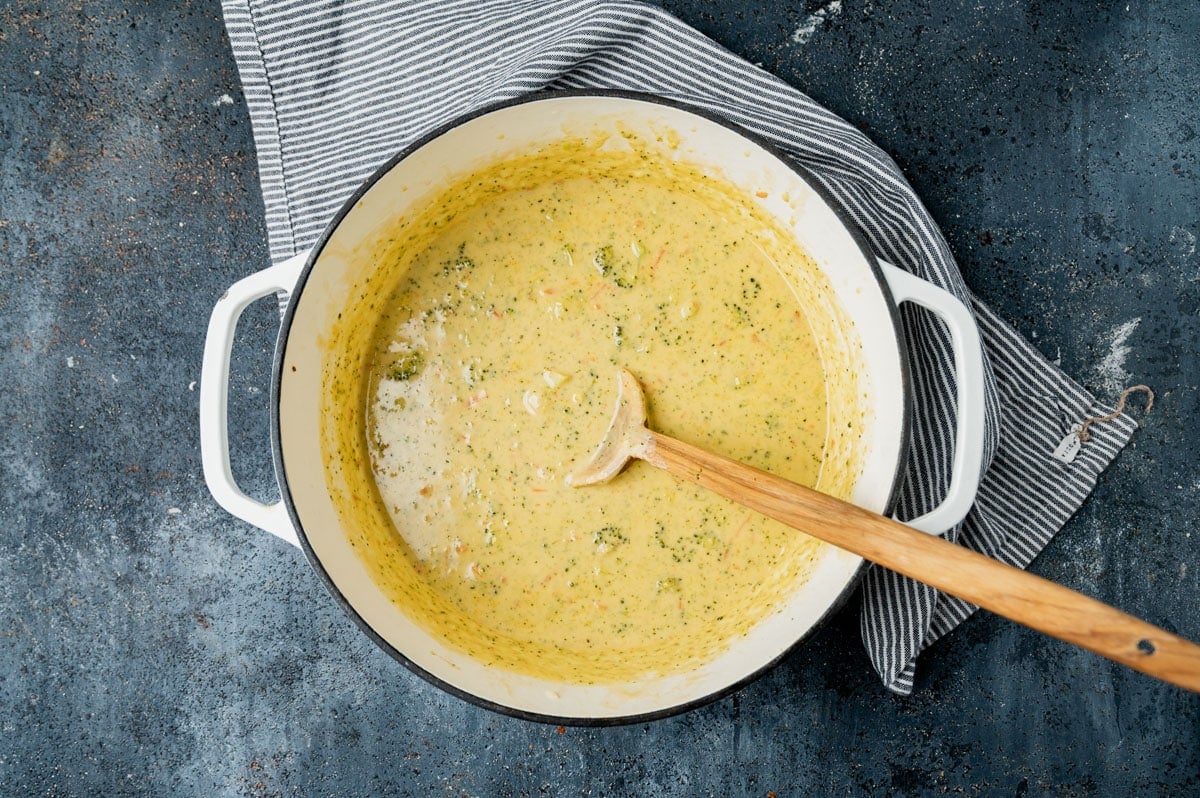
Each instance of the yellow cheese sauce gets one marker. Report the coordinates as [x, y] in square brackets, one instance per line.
[505, 311]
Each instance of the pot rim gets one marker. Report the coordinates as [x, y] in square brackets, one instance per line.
[314, 254]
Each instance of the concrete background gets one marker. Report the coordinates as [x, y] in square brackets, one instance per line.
[151, 644]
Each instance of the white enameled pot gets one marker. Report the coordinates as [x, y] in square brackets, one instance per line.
[867, 291]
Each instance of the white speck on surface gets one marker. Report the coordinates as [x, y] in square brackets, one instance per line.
[173, 511]
[70, 362]
[192, 385]
[1111, 370]
[114, 377]
[1184, 239]
[814, 21]
[224, 99]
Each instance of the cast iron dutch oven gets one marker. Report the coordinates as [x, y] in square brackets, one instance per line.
[867, 290]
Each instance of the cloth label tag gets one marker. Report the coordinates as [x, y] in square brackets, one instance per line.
[1069, 446]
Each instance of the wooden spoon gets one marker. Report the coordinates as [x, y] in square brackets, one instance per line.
[1017, 595]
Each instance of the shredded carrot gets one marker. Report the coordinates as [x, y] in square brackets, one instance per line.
[737, 532]
[595, 295]
[657, 260]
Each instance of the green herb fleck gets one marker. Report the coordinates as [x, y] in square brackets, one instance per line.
[739, 312]
[670, 584]
[613, 268]
[609, 536]
[407, 366]
[459, 263]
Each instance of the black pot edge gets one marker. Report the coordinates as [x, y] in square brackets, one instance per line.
[276, 382]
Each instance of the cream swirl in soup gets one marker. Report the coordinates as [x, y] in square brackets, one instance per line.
[511, 304]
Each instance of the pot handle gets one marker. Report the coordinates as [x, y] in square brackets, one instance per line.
[214, 395]
[966, 469]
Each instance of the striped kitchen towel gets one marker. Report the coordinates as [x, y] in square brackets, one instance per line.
[336, 87]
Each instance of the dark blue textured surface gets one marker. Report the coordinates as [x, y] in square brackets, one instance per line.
[151, 644]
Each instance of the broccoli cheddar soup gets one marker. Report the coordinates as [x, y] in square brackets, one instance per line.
[501, 314]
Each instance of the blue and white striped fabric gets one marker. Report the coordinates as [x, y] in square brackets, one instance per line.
[336, 87]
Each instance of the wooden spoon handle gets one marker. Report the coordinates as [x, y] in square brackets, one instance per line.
[1015, 594]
